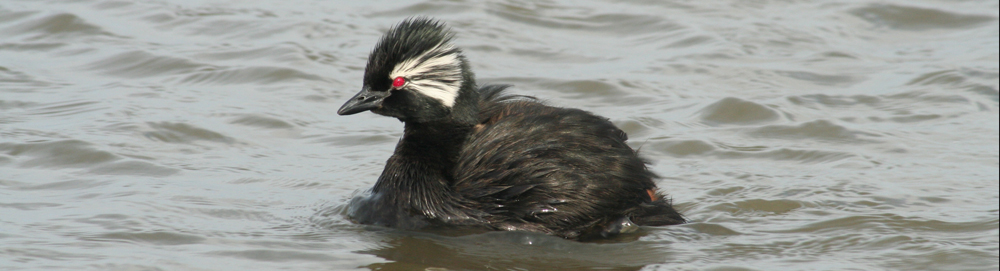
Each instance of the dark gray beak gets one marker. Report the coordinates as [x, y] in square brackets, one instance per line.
[363, 101]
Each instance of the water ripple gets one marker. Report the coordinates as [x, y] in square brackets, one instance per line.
[184, 133]
[53, 26]
[142, 64]
[819, 129]
[736, 111]
[918, 18]
[246, 75]
[79, 154]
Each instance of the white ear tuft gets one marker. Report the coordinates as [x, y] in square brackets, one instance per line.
[436, 73]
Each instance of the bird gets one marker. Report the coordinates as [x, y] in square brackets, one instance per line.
[477, 157]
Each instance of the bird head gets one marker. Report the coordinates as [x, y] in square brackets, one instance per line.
[415, 74]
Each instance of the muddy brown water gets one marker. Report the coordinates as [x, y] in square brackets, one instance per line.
[796, 135]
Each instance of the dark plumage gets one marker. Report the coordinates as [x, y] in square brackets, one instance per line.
[480, 158]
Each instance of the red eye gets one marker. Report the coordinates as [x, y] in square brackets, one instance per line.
[398, 82]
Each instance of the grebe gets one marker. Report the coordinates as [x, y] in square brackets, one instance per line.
[476, 157]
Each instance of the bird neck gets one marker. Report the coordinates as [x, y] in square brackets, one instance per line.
[425, 158]
[418, 178]
[439, 140]
[436, 145]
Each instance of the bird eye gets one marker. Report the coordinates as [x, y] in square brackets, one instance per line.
[398, 82]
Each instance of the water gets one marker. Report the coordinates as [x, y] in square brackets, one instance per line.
[796, 135]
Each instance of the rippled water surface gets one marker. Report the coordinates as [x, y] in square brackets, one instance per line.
[796, 135]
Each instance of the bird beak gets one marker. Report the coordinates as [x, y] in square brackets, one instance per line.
[363, 101]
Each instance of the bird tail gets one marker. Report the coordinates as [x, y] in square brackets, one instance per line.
[659, 212]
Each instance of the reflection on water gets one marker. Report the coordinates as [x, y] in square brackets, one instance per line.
[202, 134]
[513, 250]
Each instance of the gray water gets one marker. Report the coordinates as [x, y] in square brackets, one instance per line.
[795, 135]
